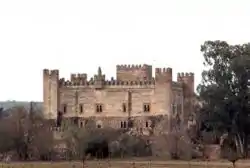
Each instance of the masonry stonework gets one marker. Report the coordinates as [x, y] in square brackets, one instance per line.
[134, 94]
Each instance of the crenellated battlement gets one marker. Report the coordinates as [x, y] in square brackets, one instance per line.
[134, 72]
[111, 82]
[182, 74]
[185, 77]
[163, 75]
[163, 70]
[78, 77]
[54, 72]
[129, 67]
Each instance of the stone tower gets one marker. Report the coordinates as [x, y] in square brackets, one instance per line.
[50, 93]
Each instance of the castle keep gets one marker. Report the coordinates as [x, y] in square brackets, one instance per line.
[135, 93]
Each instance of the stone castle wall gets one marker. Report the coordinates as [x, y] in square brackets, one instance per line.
[134, 86]
[133, 72]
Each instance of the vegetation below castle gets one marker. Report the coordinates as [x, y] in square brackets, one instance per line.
[27, 136]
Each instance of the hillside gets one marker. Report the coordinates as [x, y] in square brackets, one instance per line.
[10, 104]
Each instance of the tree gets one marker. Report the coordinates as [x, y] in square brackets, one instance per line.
[224, 92]
[26, 133]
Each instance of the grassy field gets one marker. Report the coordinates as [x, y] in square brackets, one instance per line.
[125, 164]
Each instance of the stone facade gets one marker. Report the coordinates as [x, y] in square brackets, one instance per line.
[135, 93]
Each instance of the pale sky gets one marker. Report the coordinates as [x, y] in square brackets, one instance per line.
[78, 36]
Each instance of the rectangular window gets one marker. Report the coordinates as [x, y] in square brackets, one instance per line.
[124, 107]
[81, 124]
[81, 108]
[64, 108]
[123, 124]
[146, 107]
[99, 108]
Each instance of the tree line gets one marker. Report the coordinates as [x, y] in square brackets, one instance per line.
[224, 94]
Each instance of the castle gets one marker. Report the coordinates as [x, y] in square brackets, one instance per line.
[135, 93]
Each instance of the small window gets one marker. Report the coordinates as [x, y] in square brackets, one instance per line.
[59, 119]
[99, 108]
[146, 107]
[146, 124]
[125, 124]
[124, 107]
[64, 108]
[99, 126]
[81, 108]
[81, 124]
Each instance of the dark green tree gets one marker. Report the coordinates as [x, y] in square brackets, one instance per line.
[224, 91]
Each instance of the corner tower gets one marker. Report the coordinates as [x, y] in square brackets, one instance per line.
[187, 81]
[163, 92]
[50, 93]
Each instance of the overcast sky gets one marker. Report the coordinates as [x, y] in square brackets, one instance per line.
[79, 36]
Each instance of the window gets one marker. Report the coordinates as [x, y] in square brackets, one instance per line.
[146, 107]
[124, 107]
[146, 124]
[64, 108]
[99, 108]
[81, 108]
[99, 126]
[81, 124]
[59, 119]
[123, 124]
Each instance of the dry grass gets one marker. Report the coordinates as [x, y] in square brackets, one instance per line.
[123, 164]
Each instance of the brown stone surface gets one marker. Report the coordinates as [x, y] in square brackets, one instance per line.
[164, 96]
[212, 152]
